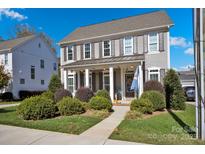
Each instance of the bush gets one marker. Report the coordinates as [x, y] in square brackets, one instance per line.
[133, 115]
[84, 94]
[55, 83]
[153, 85]
[60, 93]
[26, 94]
[35, 108]
[69, 106]
[48, 94]
[157, 99]
[86, 106]
[100, 103]
[142, 105]
[103, 93]
[7, 96]
[174, 91]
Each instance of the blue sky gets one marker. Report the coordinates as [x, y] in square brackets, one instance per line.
[57, 23]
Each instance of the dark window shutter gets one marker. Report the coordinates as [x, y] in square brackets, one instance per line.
[81, 52]
[76, 81]
[162, 75]
[161, 42]
[65, 54]
[113, 48]
[121, 47]
[81, 79]
[100, 49]
[146, 75]
[145, 42]
[100, 80]
[92, 51]
[93, 82]
[74, 52]
[135, 45]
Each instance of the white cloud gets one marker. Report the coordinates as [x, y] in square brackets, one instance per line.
[12, 14]
[180, 42]
[189, 51]
[187, 67]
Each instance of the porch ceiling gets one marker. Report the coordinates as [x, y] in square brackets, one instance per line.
[105, 61]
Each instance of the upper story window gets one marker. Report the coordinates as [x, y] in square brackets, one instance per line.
[106, 48]
[54, 66]
[39, 45]
[22, 81]
[128, 45]
[6, 58]
[154, 74]
[153, 42]
[87, 51]
[70, 52]
[42, 63]
[32, 72]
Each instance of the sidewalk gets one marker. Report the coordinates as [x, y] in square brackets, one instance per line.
[97, 134]
[8, 105]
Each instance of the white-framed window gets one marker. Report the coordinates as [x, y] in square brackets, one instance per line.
[70, 52]
[6, 58]
[153, 42]
[70, 83]
[87, 51]
[106, 48]
[128, 45]
[106, 81]
[154, 73]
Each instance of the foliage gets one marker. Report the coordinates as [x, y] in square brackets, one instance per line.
[26, 94]
[86, 106]
[153, 85]
[84, 94]
[55, 83]
[157, 99]
[133, 115]
[35, 108]
[48, 94]
[103, 93]
[69, 106]
[142, 105]
[174, 91]
[4, 77]
[61, 93]
[7, 96]
[100, 103]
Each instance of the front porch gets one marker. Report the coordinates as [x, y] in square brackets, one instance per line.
[115, 78]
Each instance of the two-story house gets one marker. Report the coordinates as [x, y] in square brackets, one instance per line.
[105, 55]
[30, 60]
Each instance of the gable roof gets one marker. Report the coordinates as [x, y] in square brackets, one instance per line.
[134, 23]
[9, 44]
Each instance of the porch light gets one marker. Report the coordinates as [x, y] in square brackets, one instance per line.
[131, 66]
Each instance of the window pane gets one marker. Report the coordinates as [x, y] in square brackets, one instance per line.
[70, 52]
[153, 47]
[128, 45]
[107, 48]
[87, 50]
[154, 77]
[32, 72]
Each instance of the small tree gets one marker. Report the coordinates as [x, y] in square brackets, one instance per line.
[174, 93]
[55, 83]
[4, 77]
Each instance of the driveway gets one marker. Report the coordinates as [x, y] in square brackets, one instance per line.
[97, 134]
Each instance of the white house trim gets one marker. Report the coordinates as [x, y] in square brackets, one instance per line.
[84, 51]
[103, 55]
[149, 51]
[132, 42]
[154, 68]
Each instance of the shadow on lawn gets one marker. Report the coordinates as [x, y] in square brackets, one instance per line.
[185, 127]
[6, 110]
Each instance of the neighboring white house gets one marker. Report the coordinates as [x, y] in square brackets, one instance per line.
[30, 60]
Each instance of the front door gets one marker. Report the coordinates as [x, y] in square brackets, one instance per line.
[128, 83]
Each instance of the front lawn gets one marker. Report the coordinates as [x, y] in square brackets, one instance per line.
[169, 128]
[66, 124]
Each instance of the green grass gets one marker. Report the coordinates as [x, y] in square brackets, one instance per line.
[168, 128]
[68, 124]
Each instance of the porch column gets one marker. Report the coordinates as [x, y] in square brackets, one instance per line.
[111, 73]
[65, 77]
[87, 78]
[122, 83]
[78, 79]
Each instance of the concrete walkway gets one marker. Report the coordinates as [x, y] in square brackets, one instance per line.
[8, 105]
[97, 134]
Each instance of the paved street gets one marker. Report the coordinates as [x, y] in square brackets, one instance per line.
[97, 134]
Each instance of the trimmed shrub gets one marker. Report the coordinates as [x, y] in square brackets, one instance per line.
[84, 94]
[142, 105]
[174, 91]
[157, 99]
[55, 83]
[133, 115]
[48, 94]
[153, 85]
[35, 108]
[7, 96]
[86, 106]
[100, 103]
[60, 93]
[70, 106]
[103, 93]
[26, 94]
